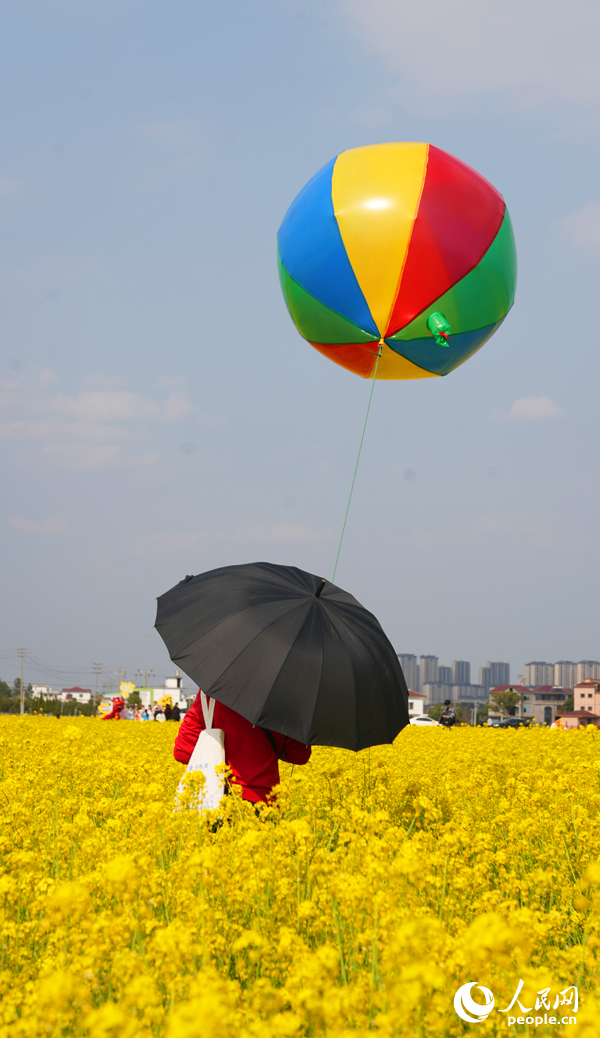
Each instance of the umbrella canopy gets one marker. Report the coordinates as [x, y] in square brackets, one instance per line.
[289, 651]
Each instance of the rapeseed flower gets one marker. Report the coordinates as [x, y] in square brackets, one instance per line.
[379, 884]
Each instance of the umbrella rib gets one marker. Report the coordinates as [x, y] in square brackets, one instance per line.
[226, 619]
[251, 642]
[284, 661]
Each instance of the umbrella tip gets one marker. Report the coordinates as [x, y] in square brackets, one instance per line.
[186, 579]
[320, 588]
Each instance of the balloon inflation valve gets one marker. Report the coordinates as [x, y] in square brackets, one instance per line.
[439, 327]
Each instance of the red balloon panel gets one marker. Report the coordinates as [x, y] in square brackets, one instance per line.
[459, 215]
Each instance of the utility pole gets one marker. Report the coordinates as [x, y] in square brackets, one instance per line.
[97, 669]
[119, 678]
[22, 653]
[145, 674]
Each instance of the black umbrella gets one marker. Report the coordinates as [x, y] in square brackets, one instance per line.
[289, 651]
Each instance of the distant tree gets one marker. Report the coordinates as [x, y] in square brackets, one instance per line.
[436, 711]
[7, 700]
[17, 689]
[134, 699]
[482, 713]
[568, 705]
[463, 715]
[505, 701]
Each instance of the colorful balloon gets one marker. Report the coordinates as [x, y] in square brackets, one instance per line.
[400, 248]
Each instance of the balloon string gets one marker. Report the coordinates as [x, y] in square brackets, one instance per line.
[357, 461]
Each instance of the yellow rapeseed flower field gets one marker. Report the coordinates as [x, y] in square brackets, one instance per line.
[382, 882]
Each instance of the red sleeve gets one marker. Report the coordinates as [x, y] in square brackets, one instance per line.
[290, 750]
[189, 730]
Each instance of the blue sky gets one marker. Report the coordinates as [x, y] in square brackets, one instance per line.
[159, 414]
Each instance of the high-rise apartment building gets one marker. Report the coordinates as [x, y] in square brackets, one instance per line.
[500, 673]
[469, 693]
[538, 673]
[494, 674]
[445, 675]
[588, 669]
[410, 669]
[428, 671]
[461, 672]
[565, 674]
[436, 692]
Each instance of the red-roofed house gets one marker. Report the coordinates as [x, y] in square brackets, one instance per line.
[82, 695]
[540, 704]
[544, 702]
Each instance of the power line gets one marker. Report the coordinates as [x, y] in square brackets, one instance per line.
[22, 653]
[47, 670]
[97, 669]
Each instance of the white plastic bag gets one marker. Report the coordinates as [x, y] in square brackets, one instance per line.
[208, 754]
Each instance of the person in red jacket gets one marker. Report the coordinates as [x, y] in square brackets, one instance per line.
[251, 753]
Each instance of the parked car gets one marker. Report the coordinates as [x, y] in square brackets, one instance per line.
[425, 722]
[515, 722]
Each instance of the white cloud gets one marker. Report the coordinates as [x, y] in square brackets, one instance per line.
[51, 526]
[583, 227]
[47, 377]
[535, 53]
[145, 461]
[172, 133]
[529, 408]
[523, 529]
[372, 115]
[103, 405]
[81, 455]
[58, 430]
[119, 405]
[170, 382]
[11, 187]
[282, 533]
[22, 283]
[99, 381]
[178, 145]
[527, 529]
[177, 405]
[165, 545]
[85, 431]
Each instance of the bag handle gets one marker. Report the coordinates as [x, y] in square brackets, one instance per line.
[208, 710]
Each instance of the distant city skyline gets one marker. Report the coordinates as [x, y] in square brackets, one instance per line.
[425, 674]
[423, 670]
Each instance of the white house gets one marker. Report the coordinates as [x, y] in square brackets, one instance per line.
[416, 701]
[172, 687]
[45, 691]
[80, 695]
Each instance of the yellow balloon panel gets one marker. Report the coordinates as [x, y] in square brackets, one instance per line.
[393, 366]
[376, 193]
